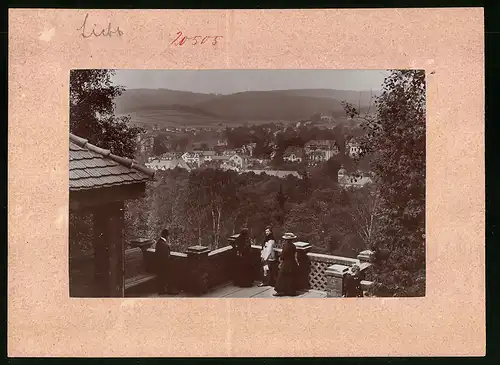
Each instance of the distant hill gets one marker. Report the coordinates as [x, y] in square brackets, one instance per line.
[280, 105]
[364, 97]
[140, 99]
[287, 105]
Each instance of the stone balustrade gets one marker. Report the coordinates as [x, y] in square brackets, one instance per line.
[199, 270]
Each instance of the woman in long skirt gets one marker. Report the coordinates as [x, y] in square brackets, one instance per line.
[286, 282]
[243, 269]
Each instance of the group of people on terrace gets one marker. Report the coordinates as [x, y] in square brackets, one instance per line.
[285, 282]
[279, 271]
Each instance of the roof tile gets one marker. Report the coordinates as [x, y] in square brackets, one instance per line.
[93, 167]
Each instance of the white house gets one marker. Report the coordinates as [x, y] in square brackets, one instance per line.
[293, 154]
[229, 152]
[168, 164]
[324, 145]
[222, 143]
[326, 118]
[248, 148]
[353, 148]
[229, 166]
[315, 157]
[191, 157]
[349, 181]
[168, 156]
[205, 156]
[238, 160]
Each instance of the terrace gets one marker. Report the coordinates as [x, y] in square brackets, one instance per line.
[205, 273]
[101, 182]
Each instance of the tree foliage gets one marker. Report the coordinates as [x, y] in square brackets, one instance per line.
[395, 139]
[206, 206]
[92, 95]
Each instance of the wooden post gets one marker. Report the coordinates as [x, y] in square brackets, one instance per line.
[101, 255]
[109, 250]
[116, 249]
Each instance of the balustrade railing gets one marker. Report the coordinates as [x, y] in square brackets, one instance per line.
[199, 270]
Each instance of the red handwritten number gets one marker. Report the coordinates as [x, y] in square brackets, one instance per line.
[195, 39]
[178, 35]
[215, 40]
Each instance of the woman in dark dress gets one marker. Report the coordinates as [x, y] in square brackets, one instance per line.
[243, 268]
[286, 282]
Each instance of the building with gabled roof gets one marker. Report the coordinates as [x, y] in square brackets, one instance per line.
[160, 164]
[346, 180]
[353, 147]
[100, 182]
[293, 154]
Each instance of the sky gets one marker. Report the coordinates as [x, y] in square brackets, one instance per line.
[232, 81]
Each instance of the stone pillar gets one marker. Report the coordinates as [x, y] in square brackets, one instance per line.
[197, 269]
[335, 280]
[366, 256]
[304, 264]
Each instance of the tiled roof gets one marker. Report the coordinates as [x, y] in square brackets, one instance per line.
[92, 167]
[208, 153]
[220, 158]
[297, 151]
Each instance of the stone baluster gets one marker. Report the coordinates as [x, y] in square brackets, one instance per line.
[335, 280]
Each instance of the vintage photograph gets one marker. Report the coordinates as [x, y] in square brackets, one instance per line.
[247, 183]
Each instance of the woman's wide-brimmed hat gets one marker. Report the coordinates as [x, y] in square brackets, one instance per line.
[289, 236]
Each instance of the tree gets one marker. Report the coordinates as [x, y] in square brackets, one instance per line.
[213, 192]
[363, 213]
[92, 115]
[182, 143]
[159, 146]
[395, 137]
